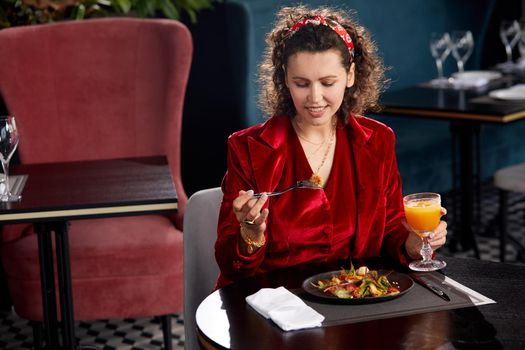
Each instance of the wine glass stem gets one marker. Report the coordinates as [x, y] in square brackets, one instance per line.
[5, 166]
[460, 66]
[508, 50]
[426, 250]
[439, 66]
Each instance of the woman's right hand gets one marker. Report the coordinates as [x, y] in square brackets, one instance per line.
[251, 215]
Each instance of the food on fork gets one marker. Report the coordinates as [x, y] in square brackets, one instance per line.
[317, 180]
[360, 283]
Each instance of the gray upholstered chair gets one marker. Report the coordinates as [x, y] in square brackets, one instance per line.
[508, 179]
[200, 267]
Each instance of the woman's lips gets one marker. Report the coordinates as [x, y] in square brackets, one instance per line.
[316, 111]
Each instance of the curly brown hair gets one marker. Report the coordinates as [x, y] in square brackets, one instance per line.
[275, 98]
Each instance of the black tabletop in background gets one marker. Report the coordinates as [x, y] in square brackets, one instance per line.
[92, 184]
[462, 101]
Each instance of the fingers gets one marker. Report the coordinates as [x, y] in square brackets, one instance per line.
[241, 200]
[262, 218]
[413, 245]
[443, 211]
[248, 209]
[255, 206]
[439, 236]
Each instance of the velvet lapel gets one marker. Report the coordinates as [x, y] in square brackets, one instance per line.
[268, 153]
[368, 170]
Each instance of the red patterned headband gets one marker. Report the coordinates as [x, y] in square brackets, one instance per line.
[319, 20]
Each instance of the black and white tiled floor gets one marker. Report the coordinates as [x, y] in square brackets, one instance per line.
[487, 236]
[146, 333]
[129, 334]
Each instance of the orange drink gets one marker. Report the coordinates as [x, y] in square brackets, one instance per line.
[423, 215]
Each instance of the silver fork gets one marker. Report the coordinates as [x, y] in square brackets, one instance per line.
[298, 184]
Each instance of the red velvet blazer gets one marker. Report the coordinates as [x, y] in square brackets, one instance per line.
[302, 230]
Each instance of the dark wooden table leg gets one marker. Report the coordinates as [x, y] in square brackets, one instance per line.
[64, 281]
[453, 241]
[467, 133]
[47, 280]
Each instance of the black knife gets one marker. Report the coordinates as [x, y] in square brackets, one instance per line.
[433, 288]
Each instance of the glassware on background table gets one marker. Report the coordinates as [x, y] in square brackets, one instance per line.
[521, 47]
[8, 145]
[521, 44]
[423, 214]
[440, 49]
[462, 44]
[509, 32]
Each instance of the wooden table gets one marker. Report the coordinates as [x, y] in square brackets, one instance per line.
[57, 193]
[466, 110]
[231, 323]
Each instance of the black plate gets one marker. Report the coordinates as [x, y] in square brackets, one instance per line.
[397, 279]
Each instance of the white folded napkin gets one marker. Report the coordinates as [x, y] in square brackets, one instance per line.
[473, 78]
[520, 87]
[286, 309]
[470, 82]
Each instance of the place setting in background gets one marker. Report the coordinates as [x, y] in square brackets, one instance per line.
[514, 93]
[512, 34]
[10, 186]
[459, 43]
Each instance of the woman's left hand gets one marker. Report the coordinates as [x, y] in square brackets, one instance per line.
[436, 238]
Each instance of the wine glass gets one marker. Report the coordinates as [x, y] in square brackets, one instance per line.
[423, 213]
[440, 49]
[462, 44]
[8, 144]
[509, 32]
[521, 43]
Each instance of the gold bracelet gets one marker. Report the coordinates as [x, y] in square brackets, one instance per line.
[251, 244]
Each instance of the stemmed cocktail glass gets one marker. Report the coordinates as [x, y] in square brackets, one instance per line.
[462, 44]
[521, 42]
[509, 32]
[440, 49]
[8, 144]
[423, 213]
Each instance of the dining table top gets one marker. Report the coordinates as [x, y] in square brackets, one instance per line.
[454, 104]
[229, 322]
[91, 189]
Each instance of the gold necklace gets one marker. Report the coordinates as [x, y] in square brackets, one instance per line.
[299, 131]
[304, 138]
[316, 178]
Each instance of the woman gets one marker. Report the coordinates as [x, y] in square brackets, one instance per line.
[320, 74]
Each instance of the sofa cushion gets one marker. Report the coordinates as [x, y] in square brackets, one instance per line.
[140, 260]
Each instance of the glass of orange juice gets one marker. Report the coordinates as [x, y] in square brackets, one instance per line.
[423, 213]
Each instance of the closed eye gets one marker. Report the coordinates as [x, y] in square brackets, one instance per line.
[305, 83]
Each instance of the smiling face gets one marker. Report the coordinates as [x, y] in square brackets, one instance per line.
[317, 83]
